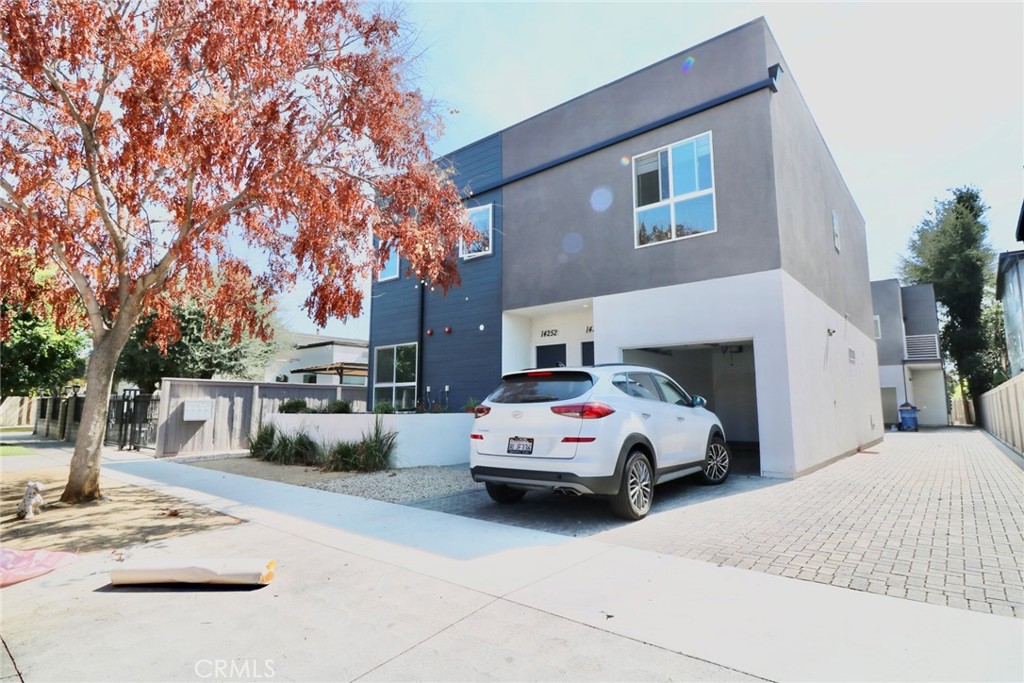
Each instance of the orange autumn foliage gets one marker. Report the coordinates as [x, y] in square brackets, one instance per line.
[149, 151]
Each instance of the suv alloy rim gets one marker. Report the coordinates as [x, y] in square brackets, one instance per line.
[640, 486]
[718, 462]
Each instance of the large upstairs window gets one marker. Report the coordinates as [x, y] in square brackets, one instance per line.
[675, 192]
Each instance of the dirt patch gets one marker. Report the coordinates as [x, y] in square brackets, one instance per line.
[128, 515]
[301, 475]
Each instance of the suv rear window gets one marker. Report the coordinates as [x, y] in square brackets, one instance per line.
[542, 387]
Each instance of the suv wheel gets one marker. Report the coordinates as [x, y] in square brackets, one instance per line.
[503, 493]
[636, 492]
[717, 462]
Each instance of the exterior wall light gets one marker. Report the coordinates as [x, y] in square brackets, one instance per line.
[447, 329]
[481, 327]
[430, 332]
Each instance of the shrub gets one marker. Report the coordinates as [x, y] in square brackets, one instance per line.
[339, 407]
[471, 404]
[342, 456]
[283, 450]
[376, 448]
[307, 450]
[384, 408]
[293, 405]
[262, 442]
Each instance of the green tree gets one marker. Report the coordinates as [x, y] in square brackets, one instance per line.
[994, 357]
[36, 358]
[203, 349]
[948, 250]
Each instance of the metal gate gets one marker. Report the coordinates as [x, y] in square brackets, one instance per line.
[132, 420]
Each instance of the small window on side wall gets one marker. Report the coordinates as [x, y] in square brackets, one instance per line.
[481, 218]
[835, 231]
[878, 327]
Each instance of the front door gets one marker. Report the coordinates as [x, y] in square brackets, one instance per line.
[551, 356]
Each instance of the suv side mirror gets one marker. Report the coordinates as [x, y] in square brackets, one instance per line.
[699, 402]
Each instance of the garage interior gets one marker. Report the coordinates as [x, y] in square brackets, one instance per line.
[724, 374]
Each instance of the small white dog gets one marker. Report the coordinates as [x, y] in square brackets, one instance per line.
[32, 501]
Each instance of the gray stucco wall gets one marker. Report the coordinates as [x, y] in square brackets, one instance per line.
[571, 227]
[888, 306]
[809, 188]
[919, 314]
[724, 64]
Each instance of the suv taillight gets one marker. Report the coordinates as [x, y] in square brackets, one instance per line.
[584, 411]
[480, 411]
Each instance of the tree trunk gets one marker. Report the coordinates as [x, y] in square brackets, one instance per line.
[84, 479]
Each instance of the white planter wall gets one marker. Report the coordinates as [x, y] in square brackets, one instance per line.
[423, 439]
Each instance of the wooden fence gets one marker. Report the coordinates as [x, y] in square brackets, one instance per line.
[214, 416]
[1002, 413]
[18, 411]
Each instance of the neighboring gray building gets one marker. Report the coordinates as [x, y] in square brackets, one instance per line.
[319, 359]
[909, 360]
[688, 216]
[1010, 291]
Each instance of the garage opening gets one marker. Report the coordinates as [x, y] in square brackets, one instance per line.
[723, 373]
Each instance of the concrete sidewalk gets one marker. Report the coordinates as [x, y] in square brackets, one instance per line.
[373, 591]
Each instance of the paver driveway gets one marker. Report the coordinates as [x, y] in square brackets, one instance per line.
[931, 516]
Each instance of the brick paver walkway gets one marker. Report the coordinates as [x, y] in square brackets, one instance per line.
[932, 516]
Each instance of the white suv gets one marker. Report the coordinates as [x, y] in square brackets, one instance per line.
[607, 430]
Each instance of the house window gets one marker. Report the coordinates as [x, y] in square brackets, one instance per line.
[675, 192]
[394, 376]
[835, 230]
[390, 269]
[878, 327]
[309, 379]
[480, 217]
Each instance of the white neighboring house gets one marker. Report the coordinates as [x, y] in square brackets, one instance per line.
[909, 360]
[318, 359]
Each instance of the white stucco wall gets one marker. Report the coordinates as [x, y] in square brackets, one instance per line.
[929, 395]
[516, 352]
[745, 307]
[836, 402]
[813, 404]
[423, 439]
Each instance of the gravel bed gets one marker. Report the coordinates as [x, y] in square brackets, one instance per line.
[405, 485]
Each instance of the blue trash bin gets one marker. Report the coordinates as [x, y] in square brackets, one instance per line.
[908, 418]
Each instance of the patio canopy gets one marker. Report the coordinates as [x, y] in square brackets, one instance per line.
[341, 369]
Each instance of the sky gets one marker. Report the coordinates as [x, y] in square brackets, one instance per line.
[912, 99]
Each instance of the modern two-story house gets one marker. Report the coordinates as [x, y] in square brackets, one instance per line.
[688, 216]
[909, 362]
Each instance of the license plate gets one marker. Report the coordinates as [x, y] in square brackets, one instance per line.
[520, 446]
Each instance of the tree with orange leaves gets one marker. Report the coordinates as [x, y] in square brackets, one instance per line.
[149, 148]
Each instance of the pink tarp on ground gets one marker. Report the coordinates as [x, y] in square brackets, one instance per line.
[21, 565]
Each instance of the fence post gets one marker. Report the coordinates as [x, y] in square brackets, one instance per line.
[162, 414]
[256, 414]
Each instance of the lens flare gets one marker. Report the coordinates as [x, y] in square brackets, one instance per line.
[601, 198]
[624, 161]
[687, 64]
[572, 243]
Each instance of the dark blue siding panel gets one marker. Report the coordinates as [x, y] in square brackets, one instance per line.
[468, 359]
[477, 165]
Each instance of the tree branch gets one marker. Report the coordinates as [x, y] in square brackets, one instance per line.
[92, 306]
[92, 156]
